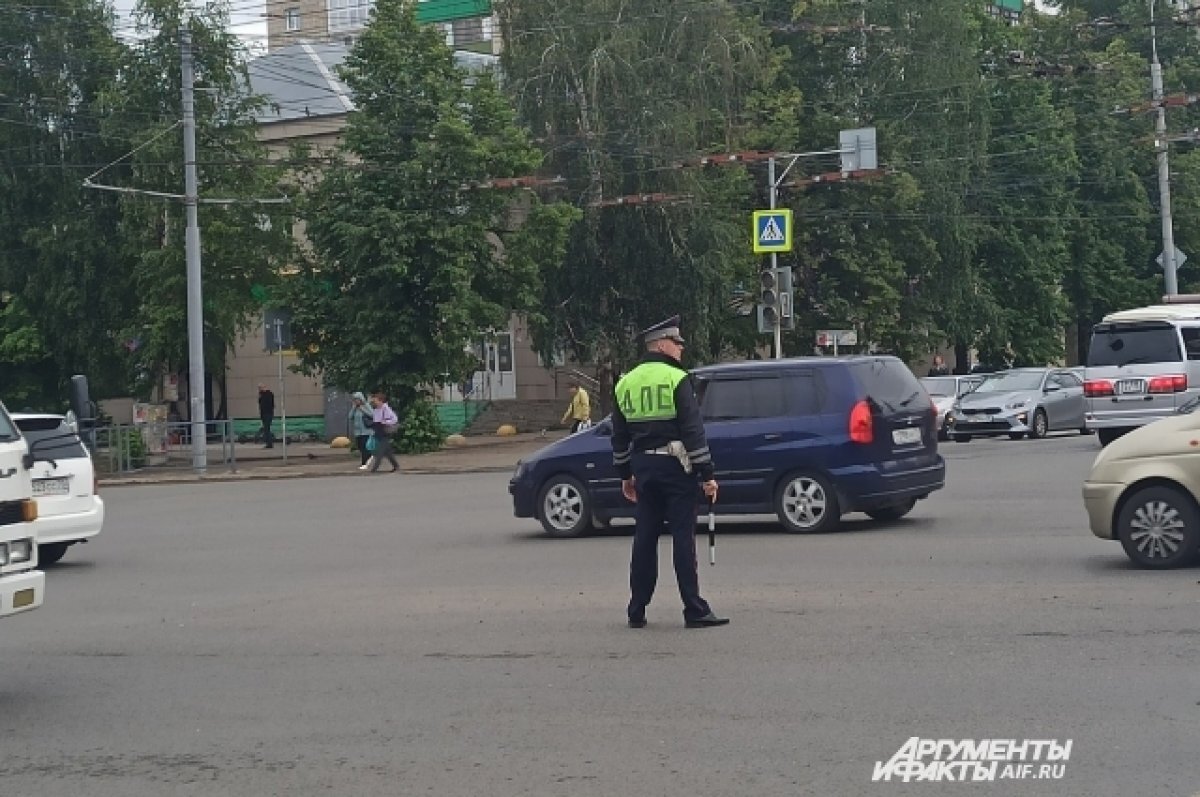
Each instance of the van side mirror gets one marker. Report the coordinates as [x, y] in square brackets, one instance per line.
[1051, 387]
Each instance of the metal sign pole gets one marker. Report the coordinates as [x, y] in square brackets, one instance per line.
[282, 386]
[775, 258]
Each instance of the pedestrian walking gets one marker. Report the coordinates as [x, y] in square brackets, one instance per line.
[266, 414]
[660, 449]
[579, 411]
[361, 416]
[384, 424]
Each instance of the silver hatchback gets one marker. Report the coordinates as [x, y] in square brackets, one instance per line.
[1022, 402]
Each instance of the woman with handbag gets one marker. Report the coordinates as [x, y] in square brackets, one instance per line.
[360, 427]
[384, 423]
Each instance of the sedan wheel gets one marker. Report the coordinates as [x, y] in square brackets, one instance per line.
[564, 507]
[1039, 427]
[806, 503]
[1159, 528]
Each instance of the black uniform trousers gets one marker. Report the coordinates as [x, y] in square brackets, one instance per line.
[667, 498]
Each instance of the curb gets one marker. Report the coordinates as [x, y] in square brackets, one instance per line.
[223, 478]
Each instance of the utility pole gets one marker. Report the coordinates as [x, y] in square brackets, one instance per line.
[774, 191]
[282, 384]
[195, 304]
[1164, 171]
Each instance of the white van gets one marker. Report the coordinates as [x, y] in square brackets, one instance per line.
[1142, 365]
[21, 584]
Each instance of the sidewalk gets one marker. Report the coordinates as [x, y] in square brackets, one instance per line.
[311, 460]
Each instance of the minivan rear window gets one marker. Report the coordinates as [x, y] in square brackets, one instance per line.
[1131, 344]
[65, 445]
[891, 384]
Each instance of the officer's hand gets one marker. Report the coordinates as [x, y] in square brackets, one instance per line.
[710, 490]
[628, 490]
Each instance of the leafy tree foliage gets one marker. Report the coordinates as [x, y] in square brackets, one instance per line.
[411, 261]
[244, 243]
[96, 280]
[62, 279]
[619, 93]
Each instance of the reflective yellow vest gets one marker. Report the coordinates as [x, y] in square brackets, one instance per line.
[647, 393]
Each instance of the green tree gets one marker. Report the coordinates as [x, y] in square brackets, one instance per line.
[620, 94]
[410, 261]
[244, 243]
[62, 275]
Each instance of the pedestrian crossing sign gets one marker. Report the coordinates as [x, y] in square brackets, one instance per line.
[772, 231]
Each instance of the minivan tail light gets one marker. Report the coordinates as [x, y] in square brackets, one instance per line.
[862, 427]
[1093, 388]
[1175, 383]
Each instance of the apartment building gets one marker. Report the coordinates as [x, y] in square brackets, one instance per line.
[467, 24]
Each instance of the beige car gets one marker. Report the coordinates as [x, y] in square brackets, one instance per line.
[1143, 490]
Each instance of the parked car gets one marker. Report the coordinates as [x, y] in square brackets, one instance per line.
[1022, 402]
[807, 439]
[64, 485]
[945, 392]
[1142, 365]
[1143, 490]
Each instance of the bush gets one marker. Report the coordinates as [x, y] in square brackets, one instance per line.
[420, 430]
[136, 448]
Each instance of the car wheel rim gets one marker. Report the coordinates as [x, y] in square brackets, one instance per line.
[805, 502]
[563, 507]
[1039, 425]
[1158, 530]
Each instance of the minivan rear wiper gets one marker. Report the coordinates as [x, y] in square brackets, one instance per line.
[1136, 360]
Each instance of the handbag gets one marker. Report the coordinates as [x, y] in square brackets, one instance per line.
[371, 443]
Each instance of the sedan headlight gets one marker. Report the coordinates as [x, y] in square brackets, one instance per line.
[20, 551]
[1016, 405]
[520, 471]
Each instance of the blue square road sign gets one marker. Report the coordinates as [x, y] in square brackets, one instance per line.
[772, 230]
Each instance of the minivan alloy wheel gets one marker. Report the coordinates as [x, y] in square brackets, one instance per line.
[807, 503]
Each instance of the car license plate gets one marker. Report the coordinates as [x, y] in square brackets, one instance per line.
[51, 486]
[1128, 386]
[906, 437]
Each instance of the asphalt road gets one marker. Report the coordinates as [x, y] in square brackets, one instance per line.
[407, 636]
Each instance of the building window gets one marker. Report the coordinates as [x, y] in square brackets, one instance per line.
[468, 31]
[345, 15]
[292, 19]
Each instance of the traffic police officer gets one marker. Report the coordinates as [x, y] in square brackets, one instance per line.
[659, 449]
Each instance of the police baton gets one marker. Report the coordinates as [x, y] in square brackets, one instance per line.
[712, 533]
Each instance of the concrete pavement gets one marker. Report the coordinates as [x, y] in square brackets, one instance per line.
[308, 460]
[328, 638]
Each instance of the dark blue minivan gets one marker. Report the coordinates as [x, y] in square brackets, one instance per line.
[807, 439]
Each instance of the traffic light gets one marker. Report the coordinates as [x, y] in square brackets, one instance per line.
[768, 297]
[775, 300]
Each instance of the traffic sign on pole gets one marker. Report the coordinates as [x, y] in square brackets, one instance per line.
[772, 230]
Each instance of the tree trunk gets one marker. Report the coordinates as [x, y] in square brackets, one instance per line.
[962, 358]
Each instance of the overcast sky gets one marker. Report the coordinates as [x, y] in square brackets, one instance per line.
[248, 19]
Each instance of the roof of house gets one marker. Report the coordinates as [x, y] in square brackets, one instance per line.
[301, 80]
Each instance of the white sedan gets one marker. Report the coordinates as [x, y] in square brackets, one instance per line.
[64, 485]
